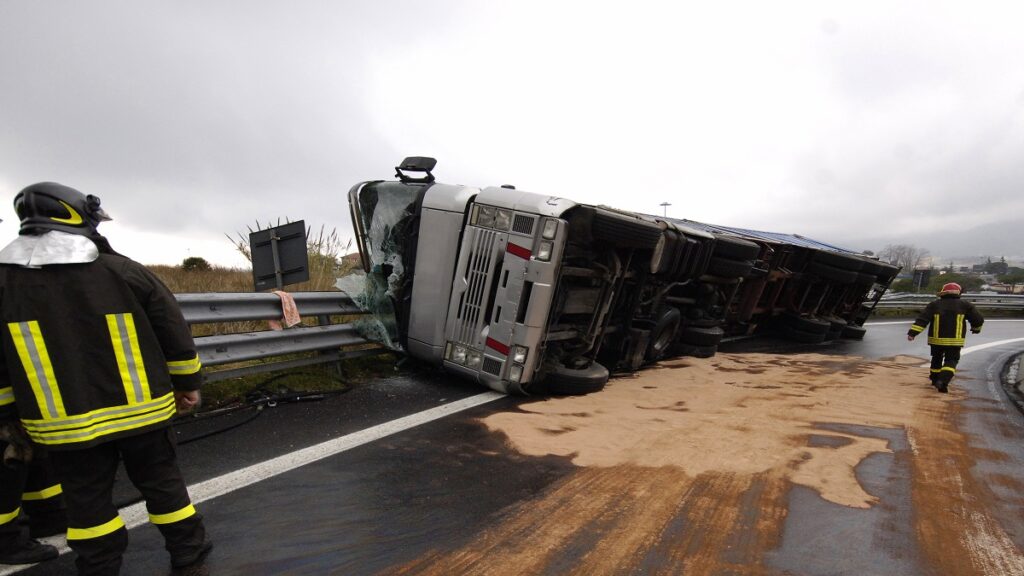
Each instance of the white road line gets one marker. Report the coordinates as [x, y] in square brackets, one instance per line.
[972, 349]
[910, 321]
[136, 515]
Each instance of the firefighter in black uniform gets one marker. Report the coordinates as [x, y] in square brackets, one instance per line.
[99, 359]
[26, 484]
[948, 317]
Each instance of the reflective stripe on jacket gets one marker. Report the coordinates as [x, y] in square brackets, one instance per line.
[91, 351]
[946, 321]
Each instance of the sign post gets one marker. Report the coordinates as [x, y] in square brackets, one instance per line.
[279, 256]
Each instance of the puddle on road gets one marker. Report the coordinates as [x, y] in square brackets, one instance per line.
[688, 470]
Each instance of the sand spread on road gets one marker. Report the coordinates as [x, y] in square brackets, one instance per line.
[686, 467]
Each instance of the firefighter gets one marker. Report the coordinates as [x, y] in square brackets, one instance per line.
[99, 359]
[26, 484]
[948, 316]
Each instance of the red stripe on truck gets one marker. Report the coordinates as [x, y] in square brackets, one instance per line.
[497, 346]
[517, 250]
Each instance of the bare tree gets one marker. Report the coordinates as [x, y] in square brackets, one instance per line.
[907, 256]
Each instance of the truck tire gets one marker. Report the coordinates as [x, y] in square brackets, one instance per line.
[625, 231]
[734, 248]
[795, 335]
[564, 381]
[866, 280]
[831, 273]
[697, 336]
[806, 324]
[664, 333]
[836, 326]
[854, 332]
[691, 350]
[726, 268]
[837, 260]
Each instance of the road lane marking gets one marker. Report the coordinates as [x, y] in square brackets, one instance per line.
[911, 321]
[136, 514]
[980, 347]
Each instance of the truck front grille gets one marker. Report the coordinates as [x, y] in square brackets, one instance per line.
[492, 366]
[478, 272]
[523, 224]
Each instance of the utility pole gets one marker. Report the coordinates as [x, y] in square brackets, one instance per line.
[665, 205]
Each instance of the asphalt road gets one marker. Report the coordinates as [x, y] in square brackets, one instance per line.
[444, 493]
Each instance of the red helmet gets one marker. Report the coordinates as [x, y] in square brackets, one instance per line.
[950, 288]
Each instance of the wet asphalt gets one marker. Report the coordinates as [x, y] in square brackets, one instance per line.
[374, 508]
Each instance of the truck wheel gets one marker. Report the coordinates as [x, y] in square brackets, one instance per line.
[835, 329]
[726, 268]
[832, 273]
[691, 350]
[697, 336]
[866, 280]
[791, 333]
[664, 332]
[564, 381]
[854, 332]
[734, 248]
[625, 231]
[806, 324]
[837, 260]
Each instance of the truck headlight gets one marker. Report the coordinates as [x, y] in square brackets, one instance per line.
[473, 359]
[544, 252]
[503, 219]
[485, 217]
[519, 354]
[515, 373]
[550, 228]
[459, 354]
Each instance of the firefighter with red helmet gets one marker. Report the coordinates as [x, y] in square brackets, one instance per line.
[946, 319]
[97, 358]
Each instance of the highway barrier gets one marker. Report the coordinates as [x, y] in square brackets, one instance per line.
[331, 342]
[1008, 302]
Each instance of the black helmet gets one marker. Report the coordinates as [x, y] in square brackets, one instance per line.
[51, 206]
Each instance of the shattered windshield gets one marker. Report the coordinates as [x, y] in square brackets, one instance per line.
[386, 212]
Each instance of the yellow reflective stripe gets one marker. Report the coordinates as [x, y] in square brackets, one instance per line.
[122, 360]
[5, 518]
[130, 363]
[96, 531]
[959, 325]
[946, 341]
[172, 517]
[935, 370]
[28, 340]
[935, 326]
[43, 494]
[129, 418]
[947, 369]
[184, 367]
[916, 328]
[98, 415]
[6, 396]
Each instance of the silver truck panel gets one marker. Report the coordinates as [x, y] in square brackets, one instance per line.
[449, 197]
[525, 201]
[435, 260]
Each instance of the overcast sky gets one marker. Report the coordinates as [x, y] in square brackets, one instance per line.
[858, 123]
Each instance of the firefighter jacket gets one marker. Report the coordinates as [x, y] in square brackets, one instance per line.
[91, 351]
[948, 317]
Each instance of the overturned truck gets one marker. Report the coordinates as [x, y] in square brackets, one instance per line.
[530, 293]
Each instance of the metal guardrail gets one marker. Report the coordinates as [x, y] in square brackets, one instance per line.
[982, 301]
[328, 340]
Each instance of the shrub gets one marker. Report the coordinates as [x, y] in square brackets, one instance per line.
[195, 263]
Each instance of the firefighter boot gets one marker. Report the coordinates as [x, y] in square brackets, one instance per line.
[27, 551]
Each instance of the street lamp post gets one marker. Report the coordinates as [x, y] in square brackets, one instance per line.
[665, 205]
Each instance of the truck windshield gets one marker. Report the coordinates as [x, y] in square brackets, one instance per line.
[383, 214]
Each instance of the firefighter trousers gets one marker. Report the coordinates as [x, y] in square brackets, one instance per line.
[33, 489]
[96, 532]
[944, 361]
